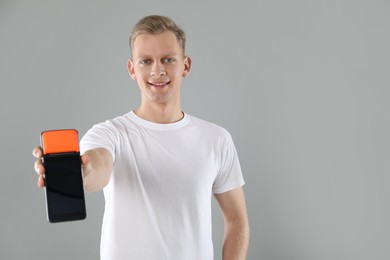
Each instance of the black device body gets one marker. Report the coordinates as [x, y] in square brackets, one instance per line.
[64, 189]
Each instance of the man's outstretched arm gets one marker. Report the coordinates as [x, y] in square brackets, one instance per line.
[97, 167]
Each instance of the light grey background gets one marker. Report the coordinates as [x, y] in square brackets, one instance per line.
[303, 87]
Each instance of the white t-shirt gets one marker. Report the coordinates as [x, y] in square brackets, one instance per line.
[158, 200]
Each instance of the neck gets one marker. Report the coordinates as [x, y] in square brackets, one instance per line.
[159, 113]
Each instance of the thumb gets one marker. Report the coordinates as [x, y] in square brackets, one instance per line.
[84, 160]
[85, 163]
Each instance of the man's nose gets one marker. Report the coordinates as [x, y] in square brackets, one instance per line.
[158, 69]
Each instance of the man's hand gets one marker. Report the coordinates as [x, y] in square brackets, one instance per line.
[40, 169]
[97, 168]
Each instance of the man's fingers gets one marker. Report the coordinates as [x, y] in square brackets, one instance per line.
[41, 182]
[39, 168]
[38, 165]
[37, 152]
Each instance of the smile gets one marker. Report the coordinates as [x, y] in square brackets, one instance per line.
[159, 84]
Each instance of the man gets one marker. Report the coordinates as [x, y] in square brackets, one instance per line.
[159, 167]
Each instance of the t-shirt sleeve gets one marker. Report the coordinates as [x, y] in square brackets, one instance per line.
[229, 175]
[103, 135]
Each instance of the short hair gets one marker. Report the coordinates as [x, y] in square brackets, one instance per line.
[157, 24]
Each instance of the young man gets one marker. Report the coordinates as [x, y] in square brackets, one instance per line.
[159, 167]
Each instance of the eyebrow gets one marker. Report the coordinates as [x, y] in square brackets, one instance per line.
[169, 54]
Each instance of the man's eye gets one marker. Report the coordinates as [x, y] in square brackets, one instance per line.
[144, 62]
[168, 60]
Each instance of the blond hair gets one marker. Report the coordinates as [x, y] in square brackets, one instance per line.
[157, 24]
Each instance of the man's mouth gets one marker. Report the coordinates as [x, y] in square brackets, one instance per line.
[159, 84]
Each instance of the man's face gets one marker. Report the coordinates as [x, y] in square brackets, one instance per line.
[158, 66]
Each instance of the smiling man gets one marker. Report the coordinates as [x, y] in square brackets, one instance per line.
[158, 65]
[160, 167]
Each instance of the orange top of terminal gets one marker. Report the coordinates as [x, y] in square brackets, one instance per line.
[60, 141]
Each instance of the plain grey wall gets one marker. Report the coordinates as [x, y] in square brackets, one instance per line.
[303, 87]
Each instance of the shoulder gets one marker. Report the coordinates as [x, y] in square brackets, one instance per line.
[105, 134]
[110, 129]
[116, 124]
[210, 128]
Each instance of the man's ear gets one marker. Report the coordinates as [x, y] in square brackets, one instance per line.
[130, 69]
[187, 66]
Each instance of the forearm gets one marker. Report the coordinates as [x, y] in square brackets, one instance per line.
[236, 240]
[97, 168]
